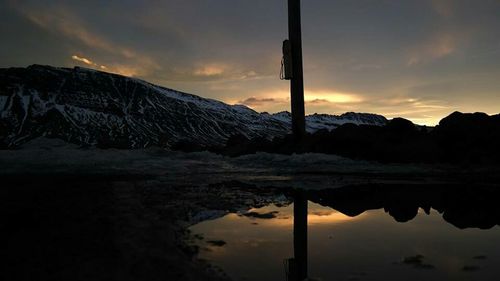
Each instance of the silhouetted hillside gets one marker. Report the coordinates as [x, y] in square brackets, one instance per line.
[459, 138]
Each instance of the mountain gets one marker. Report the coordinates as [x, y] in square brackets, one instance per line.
[89, 107]
[315, 122]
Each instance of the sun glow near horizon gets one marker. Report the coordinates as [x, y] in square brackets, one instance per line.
[419, 111]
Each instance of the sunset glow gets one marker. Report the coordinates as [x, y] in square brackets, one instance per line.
[420, 60]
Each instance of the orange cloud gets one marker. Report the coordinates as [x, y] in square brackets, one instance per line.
[213, 72]
[310, 96]
[419, 110]
[316, 101]
[82, 59]
[256, 102]
[209, 70]
[116, 68]
[61, 21]
[332, 96]
[88, 62]
[317, 215]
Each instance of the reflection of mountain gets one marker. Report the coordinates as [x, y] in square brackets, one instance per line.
[89, 107]
[463, 206]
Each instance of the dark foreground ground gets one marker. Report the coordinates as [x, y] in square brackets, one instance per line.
[90, 214]
[94, 227]
[84, 227]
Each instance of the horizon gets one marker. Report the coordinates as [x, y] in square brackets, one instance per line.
[419, 60]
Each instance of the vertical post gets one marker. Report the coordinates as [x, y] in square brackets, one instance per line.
[297, 81]
[300, 234]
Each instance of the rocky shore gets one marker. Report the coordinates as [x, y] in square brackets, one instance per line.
[89, 227]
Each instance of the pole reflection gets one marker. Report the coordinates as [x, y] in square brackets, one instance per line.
[297, 266]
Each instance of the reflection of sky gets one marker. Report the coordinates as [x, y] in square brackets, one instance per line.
[417, 59]
[367, 247]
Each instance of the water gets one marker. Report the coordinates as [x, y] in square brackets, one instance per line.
[388, 235]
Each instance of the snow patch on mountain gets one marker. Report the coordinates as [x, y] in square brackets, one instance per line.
[329, 122]
[90, 107]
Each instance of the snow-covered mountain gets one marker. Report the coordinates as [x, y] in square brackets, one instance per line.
[89, 107]
[315, 122]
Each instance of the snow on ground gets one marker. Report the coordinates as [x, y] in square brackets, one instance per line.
[51, 156]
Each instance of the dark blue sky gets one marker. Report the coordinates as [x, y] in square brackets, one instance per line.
[419, 59]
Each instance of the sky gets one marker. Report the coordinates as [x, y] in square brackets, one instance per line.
[416, 59]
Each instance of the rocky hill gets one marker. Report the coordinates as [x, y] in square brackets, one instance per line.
[89, 107]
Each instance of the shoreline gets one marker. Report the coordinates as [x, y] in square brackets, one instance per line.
[96, 228]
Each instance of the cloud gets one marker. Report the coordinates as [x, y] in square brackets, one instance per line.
[255, 102]
[84, 60]
[125, 70]
[365, 66]
[438, 46]
[310, 97]
[60, 20]
[88, 62]
[425, 111]
[63, 21]
[333, 96]
[211, 72]
[318, 101]
[420, 110]
[356, 59]
[408, 102]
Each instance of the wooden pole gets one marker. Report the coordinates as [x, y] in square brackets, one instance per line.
[297, 81]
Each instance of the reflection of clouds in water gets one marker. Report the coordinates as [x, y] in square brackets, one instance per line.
[321, 213]
[334, 217]
[340, 245]
[284, 215]
[255, 242]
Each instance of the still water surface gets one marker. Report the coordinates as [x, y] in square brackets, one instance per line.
[368, 246]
